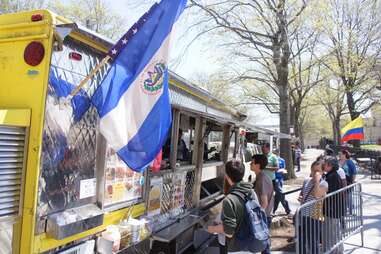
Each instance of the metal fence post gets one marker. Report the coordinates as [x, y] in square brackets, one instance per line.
[361, 216]
[342, 217]
[297, 233]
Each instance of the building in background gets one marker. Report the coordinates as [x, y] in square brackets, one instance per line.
[372, 126]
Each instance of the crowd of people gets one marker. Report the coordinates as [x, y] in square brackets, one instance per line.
[328, 174]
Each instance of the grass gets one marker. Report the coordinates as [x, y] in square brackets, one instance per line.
[371, 147]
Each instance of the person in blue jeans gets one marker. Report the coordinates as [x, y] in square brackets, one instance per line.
[278, 186]
[263, 187]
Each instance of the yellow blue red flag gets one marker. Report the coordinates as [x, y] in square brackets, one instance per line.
[353, 130]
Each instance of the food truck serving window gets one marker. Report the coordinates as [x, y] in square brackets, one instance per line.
[186, 140]
[185, 143]
[213, 142]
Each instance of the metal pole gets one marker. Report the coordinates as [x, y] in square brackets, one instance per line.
[361, 216]
[297, 233]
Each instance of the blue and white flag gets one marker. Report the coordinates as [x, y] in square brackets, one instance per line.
[133, 100]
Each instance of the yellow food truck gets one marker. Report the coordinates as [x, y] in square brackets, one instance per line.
[62, 186]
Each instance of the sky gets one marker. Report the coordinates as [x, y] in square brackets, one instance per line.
[196, 60]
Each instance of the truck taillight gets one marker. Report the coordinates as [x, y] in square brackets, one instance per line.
[75, 56]
[37, 17]
[34, 53]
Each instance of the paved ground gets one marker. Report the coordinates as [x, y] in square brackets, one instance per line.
[371, 205]
[371, 208]
[372, 219]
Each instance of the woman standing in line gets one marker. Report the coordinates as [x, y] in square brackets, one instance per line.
[314, 188]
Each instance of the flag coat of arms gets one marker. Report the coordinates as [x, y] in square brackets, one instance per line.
[133, 98]
[354, 130]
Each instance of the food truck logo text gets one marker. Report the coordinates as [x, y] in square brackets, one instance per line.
[154, 83]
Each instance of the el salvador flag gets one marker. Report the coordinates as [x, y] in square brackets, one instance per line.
[133, 100]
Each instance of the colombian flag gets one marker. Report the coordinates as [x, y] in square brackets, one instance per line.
[353, 130]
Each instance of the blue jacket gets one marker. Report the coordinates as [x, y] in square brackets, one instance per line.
[282, 165]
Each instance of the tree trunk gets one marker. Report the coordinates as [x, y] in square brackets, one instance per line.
[353, 113]
[297, 127]
[351, 106]
[336, 131]
[300, 134]
[281, 57]
[293, 118]
[301, 137]
[284, 124]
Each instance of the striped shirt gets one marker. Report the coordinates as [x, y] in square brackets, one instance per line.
[307, 194]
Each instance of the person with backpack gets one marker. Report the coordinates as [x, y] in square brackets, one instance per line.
[263, 187]
[243, 220]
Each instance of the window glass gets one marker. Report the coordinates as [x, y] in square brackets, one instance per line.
[213, 142]
[186, 140]
[184, 145]
[121, 183]
[232, 144]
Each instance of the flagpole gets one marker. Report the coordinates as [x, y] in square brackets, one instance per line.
[91, 74]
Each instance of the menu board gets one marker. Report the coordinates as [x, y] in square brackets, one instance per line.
[179, 190]
[154, 196]
[121, 183]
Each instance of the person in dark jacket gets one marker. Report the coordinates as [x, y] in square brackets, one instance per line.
[334, 207]
[233, 207]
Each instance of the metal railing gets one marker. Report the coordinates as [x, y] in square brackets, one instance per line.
[367, 159]
[323, 225]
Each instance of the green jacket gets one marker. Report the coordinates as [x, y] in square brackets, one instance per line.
[233, 209]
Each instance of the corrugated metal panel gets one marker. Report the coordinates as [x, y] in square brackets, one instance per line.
[12, 144]
[187, 101]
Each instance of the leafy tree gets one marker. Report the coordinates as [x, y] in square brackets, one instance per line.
[219, 86]
[7, 6]
[352, 35]
[331, 96]
[94, 14]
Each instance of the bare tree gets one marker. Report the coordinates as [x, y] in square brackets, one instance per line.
[258, 31]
